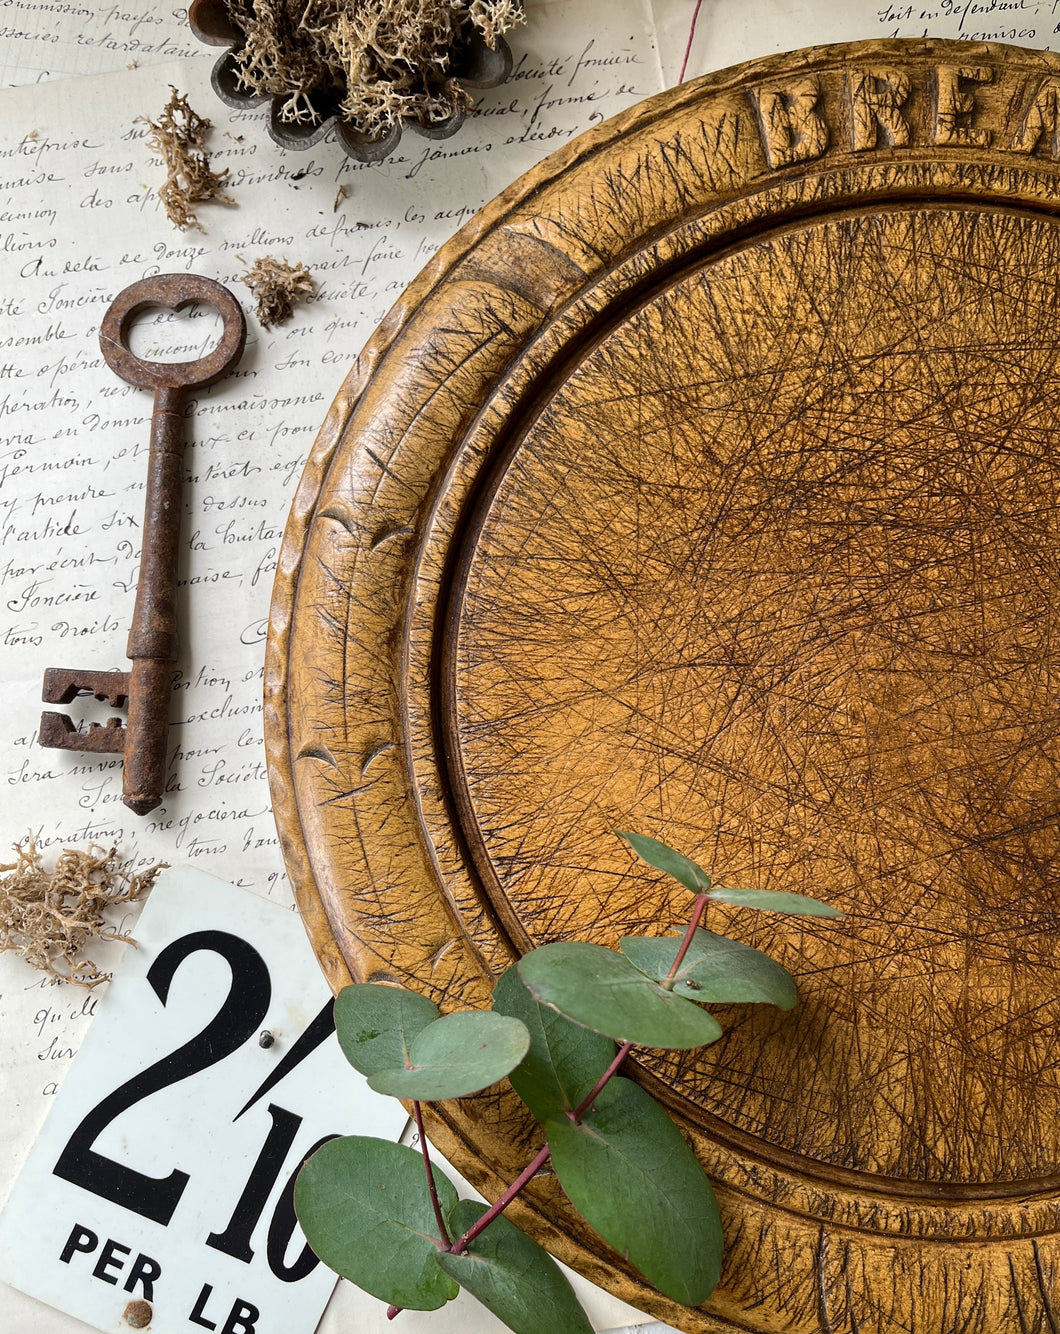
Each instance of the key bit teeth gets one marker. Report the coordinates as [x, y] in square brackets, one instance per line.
[58, 731]
[62, 685]
[54, 729]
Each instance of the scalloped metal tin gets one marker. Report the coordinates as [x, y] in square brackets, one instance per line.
[475, 65]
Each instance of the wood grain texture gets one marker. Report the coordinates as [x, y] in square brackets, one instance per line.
[706, 484]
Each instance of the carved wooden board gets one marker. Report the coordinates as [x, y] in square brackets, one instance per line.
[707, 485]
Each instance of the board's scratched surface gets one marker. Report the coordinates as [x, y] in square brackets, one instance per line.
[706, 485]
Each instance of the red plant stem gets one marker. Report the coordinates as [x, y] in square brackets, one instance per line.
[588, 1101]
[532, 1168]
[539, 1161]
[691, 38]
[697, 914]
[435, 1205]
[459, 1246]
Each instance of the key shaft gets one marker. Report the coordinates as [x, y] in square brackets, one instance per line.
[152, 645]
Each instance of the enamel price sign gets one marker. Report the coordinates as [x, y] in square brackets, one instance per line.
[160, 1193]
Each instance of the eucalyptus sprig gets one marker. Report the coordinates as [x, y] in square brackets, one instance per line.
[383, 1216]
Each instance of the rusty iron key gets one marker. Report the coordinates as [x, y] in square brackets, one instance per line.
[152, 645]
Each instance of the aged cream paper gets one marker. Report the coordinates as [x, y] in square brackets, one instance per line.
[79, 221]
[716, 33]
[46, 39]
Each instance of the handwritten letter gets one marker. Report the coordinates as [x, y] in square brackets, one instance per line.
[79, 221]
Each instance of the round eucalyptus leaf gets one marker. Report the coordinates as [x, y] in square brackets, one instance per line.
[364, 1208]
[665, 858]
[459, 1054]
[629, 1172]
[714, 969]
[511, 1275]
[376, 1024]
[564, 1060]
[774, 900]
[601, 989]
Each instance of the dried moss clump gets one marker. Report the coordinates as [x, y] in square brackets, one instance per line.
[178, 137]
[277, 286]
[382, 61]
[49, 917]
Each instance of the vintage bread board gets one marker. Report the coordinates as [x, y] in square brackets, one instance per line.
[706, 485]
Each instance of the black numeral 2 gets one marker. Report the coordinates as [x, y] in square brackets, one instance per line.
[238, 1019]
